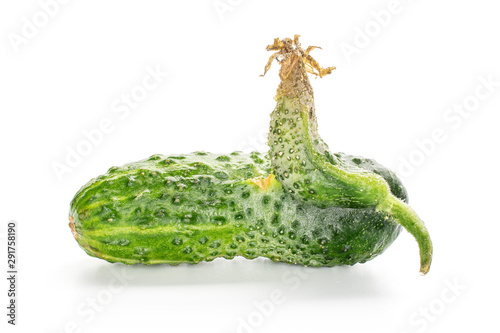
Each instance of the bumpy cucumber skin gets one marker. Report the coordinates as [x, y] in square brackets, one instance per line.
[305, 167]
[201, 206]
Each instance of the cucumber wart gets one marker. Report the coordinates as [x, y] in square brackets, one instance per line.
[299, 203]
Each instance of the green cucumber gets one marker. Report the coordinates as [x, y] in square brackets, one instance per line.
[299, 203]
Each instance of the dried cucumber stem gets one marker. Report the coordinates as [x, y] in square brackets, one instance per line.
[302, 162]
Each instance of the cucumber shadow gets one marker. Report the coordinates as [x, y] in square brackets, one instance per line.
[358, 281]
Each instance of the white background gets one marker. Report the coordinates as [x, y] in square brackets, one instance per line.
[67, 75]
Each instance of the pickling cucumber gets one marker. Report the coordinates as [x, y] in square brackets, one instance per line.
[298, 203]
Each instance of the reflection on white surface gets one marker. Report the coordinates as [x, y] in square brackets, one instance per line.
[324, 282]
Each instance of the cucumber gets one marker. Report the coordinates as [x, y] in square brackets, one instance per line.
[299, 203]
